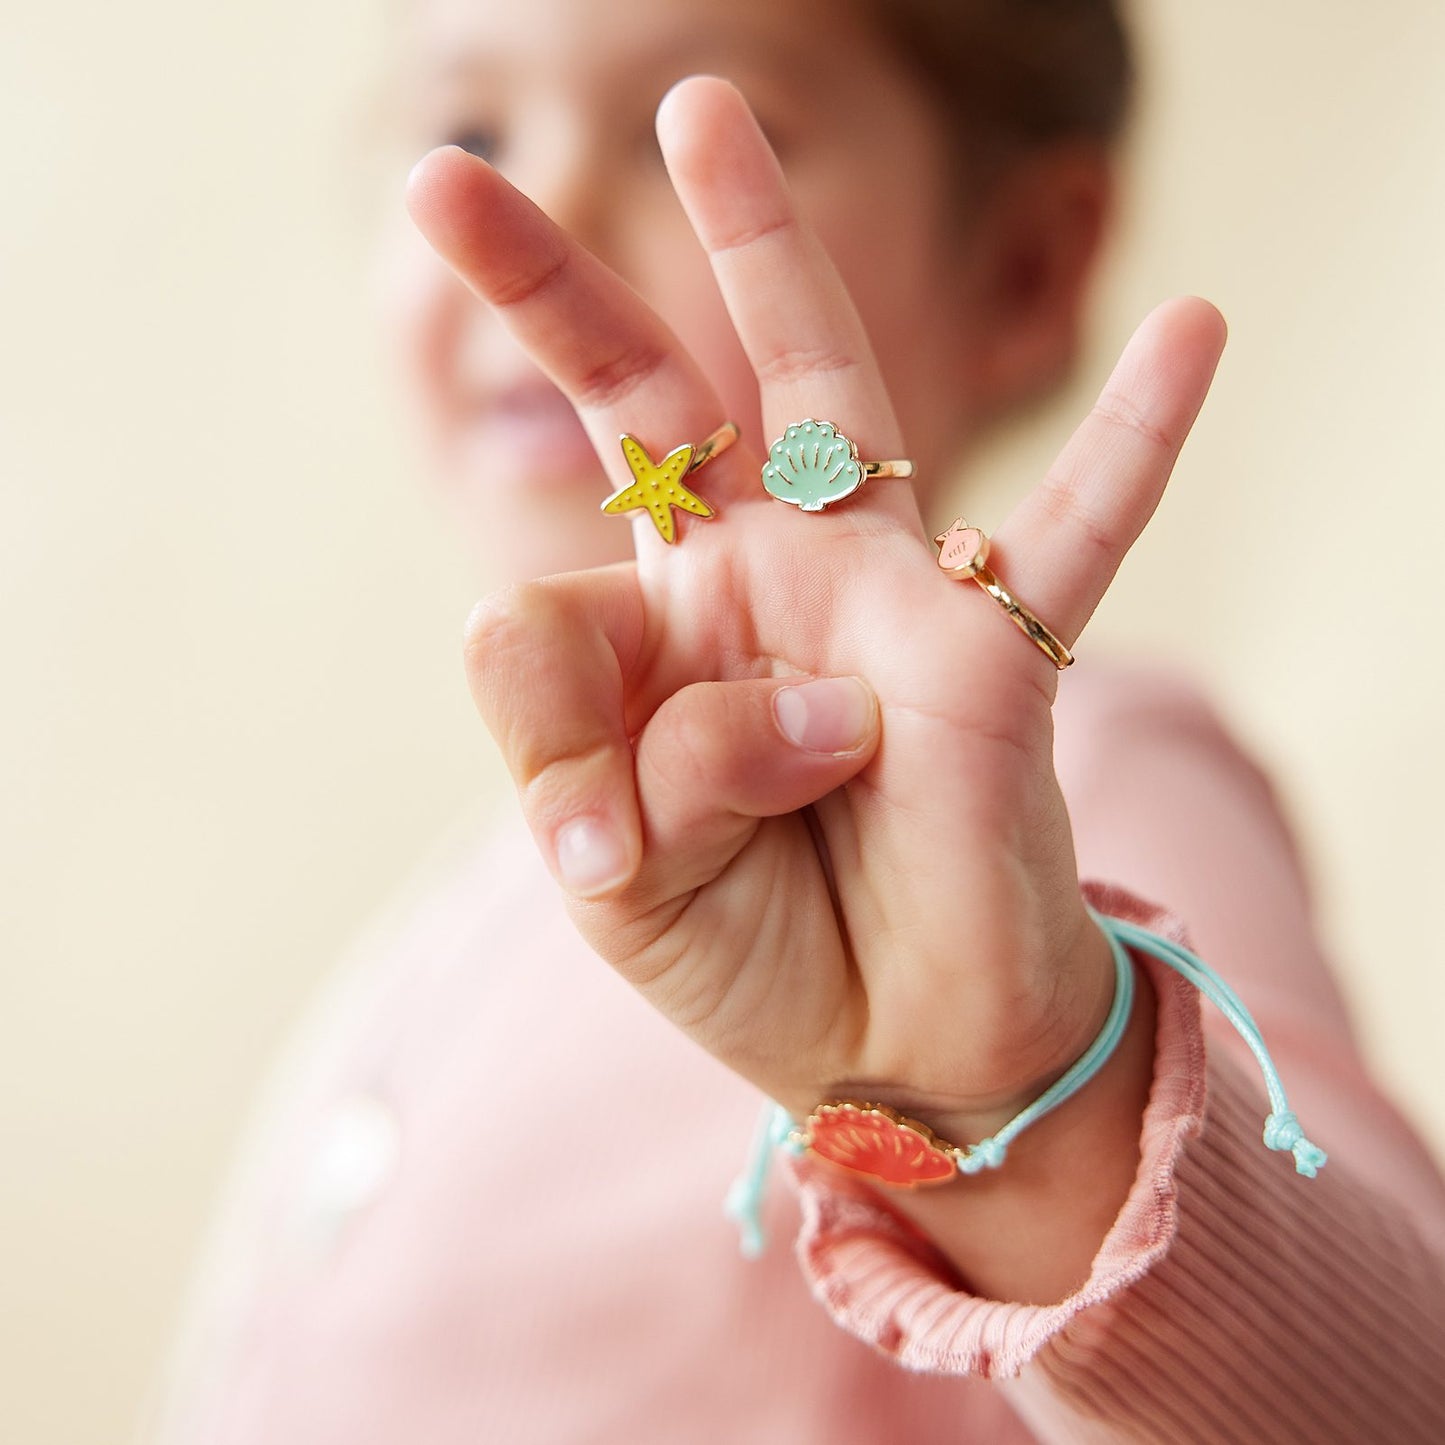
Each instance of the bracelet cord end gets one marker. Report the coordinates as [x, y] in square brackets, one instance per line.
[1282, 1132]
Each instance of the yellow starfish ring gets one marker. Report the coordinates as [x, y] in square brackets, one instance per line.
[658, 485]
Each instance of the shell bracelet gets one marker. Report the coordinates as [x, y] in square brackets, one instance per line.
[889, 1148]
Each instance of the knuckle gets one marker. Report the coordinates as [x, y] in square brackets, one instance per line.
[751, 235]
[1117, 410]
[499, 627]
[612, 380]
[527, 285]
[555, 737]
[1064, 498]
[489, 621]
[803, 362]
[700, 731]
[698, 748]
[553, 775]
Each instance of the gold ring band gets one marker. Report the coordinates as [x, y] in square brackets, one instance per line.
[900, 468]
[710, 446]
[963, 555]
[812, 465]
[657, 486]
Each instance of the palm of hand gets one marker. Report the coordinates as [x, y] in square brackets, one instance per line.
[905, 915]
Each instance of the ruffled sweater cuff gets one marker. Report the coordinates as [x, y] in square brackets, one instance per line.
[1223, 1265]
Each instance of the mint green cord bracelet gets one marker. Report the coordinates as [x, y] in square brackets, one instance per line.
[1281, 1129]
[874, 1140]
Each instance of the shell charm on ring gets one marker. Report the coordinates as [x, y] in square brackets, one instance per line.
[812, 465]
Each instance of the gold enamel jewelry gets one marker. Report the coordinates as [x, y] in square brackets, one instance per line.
[658, 487]
[879, 1142]
[812, 465]
[963, 555]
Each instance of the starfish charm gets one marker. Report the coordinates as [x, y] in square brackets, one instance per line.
[658, 487]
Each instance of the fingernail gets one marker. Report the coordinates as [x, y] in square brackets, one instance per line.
[590, 857]
[831, 715]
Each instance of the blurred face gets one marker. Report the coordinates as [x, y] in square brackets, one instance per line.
[560, 96]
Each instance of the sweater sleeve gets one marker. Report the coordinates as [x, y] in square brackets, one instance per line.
[1232, 1300]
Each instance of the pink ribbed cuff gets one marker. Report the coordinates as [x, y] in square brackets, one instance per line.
[884, 1282]
[1231, 1300]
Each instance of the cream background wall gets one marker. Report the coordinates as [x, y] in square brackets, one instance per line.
[232, 706]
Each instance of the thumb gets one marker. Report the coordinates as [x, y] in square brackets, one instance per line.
[718, 756]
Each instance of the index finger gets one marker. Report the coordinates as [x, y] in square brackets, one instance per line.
[613, 357]
[548, 664]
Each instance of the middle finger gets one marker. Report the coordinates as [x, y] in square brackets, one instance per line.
[789, 306]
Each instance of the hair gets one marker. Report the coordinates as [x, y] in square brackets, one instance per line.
[1011, 76]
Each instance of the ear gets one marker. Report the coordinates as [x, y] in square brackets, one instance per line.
[1039, 235]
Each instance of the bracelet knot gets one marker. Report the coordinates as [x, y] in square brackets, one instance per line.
[986, 1154]
[1282, 1132]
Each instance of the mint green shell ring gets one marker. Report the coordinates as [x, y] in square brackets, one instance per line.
[812, 465]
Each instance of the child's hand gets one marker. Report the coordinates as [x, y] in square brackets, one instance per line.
[836, 886]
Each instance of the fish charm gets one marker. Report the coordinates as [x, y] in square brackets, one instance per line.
[962, 550]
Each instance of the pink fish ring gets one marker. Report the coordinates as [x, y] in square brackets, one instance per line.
[963, 555]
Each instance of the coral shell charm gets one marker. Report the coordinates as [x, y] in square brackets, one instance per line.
[871, 1139]
[812, 465]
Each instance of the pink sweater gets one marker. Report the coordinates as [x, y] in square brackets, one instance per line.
[428, 1244]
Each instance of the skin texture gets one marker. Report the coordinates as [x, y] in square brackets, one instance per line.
[820, 880]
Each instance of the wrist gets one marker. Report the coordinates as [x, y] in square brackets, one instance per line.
[1029, 1231]
[882, 1143]
[1036, 1048]
[1089, 983]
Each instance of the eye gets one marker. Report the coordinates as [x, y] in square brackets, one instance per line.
[479, 140]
